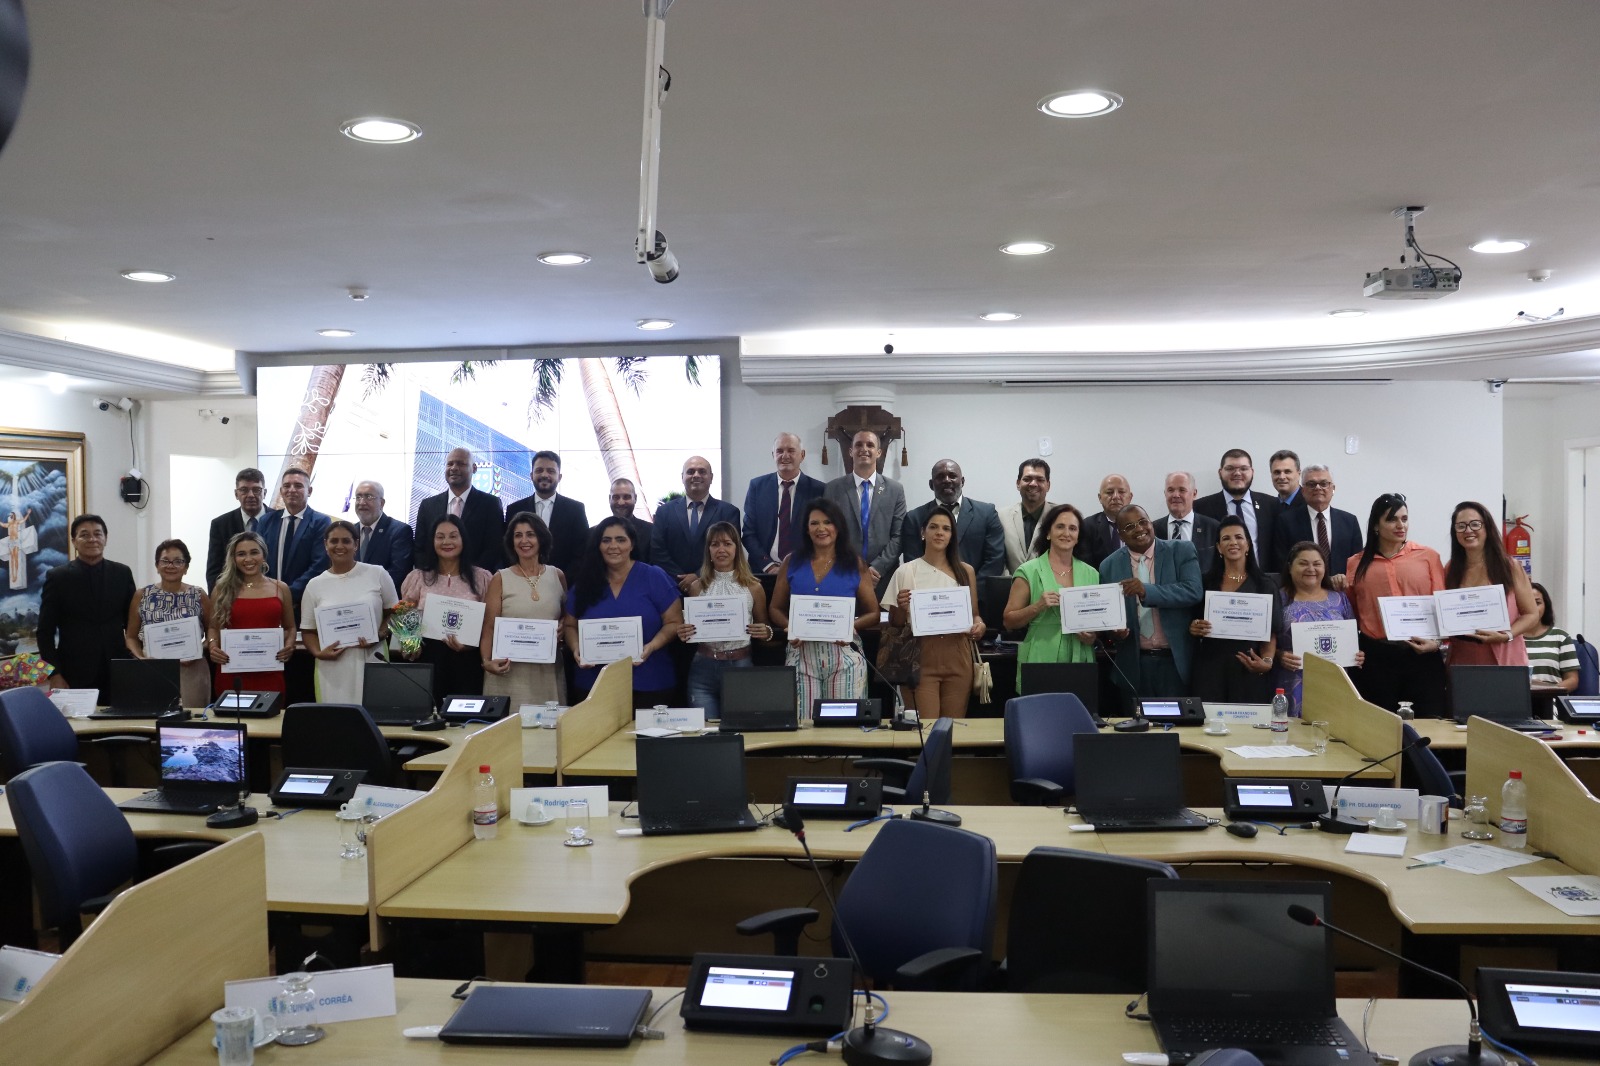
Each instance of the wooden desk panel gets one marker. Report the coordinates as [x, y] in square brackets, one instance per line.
[538, 751]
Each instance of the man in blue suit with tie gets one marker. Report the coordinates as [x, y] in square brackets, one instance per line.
[678, 542]
[294, 535]
[1161, 582]
[384, 540]
[775, 500]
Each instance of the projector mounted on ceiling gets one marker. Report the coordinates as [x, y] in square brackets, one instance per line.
[1423, 279]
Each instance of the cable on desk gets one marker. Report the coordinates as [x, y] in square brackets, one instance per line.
[465, 986]
[887, 815]
[644, 1031]
[1132, 1009]
[1510, 1050]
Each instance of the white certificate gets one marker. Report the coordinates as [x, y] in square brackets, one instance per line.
[1093, 609]
[452, 616]
[525, 640]
[346, 624]
[1239, 615]
[938, 611]
[1469, 610]
[252, 651]
[605, 640]
[1405, 617]
[717, 617]
[1335, 641]
[172, 640]
[822, 617]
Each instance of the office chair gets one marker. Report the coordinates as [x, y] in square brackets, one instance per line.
[78, 844]
[34, 731]
[1588, 668]
[1423, 771]
[905, 780]
[1039, 732]
[919, 908]
[336, 736]
[1078, 922]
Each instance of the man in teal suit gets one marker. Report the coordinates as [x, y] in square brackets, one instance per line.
[1161, 582]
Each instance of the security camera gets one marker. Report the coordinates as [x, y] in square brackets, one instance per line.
[224, 420]
[102, 405]
[662, 263]
[888, 349]
[1496, 385]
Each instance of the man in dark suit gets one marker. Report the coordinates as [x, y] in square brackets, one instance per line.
[982, 541]
[775, 500]
[1337, 533]
[295, 553]
[1259, 510]
[1161, 582]
[482, 520]
[1181, 523]
[1284, 468]
[249, 488]
[83, 610]
[623, 500]
[885, 506]
[1100, 536]
[565, 517]
[384, 540]
[678, 541]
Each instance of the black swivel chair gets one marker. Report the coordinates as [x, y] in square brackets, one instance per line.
[336, 736]
[1039, 734]
[905, 780]
[33, 731]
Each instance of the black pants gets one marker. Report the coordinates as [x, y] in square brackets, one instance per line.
[1393, 672]
[455, 673]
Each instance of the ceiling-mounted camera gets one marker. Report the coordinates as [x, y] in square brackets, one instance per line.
[888, 349]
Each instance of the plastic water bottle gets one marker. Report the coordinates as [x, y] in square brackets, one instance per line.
[1280, 714]
[485, 806]
[1514, 811]
[1406, 712]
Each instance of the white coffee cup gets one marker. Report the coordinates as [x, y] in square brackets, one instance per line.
[535, 812]
[1388, 817]
[1431, 814]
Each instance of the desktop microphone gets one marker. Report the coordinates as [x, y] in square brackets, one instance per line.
[899, 720]
[1472, 1052]
[238, 816]
[1331, 822]
[1138, 723]
[926, 813]
[867, 1044]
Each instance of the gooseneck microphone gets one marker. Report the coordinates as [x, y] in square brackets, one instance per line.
[896, 719]
[1138, 723]
[238, 816]
[1331, 822]
[867, 1044]
[1472, 1053]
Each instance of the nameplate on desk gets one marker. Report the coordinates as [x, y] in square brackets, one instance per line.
[342, 995]
[678, 719]
[1359, 804]
[21, 969]
[75, 702]
[1240, 713]
[555, 800]
[537, 715]
[383, 800]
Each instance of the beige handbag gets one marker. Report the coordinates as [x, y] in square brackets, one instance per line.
[982, 677]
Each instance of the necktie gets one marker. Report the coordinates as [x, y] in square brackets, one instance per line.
[366, 536]
[1116, 535]
[785, 519]
[1322, 534]
[294, 523]
[455, 505]
[1178, 530]
[250, 525]
[866, 511]
[694, 518]
[1238, 508]
[1147, 626]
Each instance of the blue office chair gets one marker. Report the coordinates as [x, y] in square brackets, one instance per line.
[1588, 668]
[1039, 734]
[34, 731]
[1424, 772]
[336, 736]
[907, 781]
[919, 908]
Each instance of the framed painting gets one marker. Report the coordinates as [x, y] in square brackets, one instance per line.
[41, 489]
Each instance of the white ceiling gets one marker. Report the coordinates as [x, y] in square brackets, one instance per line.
[836, 174]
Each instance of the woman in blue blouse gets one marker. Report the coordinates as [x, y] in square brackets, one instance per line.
[611, 583]
[826, 563]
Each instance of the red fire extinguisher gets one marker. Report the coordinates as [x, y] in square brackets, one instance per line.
[1519, 543]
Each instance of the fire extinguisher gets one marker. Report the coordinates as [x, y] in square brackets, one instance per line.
[1519, 543]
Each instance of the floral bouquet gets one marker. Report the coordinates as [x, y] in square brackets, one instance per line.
[20, 671]
[405, 622]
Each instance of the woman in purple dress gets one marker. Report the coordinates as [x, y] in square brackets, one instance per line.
[1307, 597]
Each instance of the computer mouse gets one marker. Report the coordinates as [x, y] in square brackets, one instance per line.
[1241, 829]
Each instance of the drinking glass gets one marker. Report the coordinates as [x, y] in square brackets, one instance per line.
[295, 1008]
[1319, 737]
[1477, 816]
[352, 844]
[578, 825]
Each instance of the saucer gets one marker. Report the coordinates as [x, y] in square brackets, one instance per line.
[546, 820]
[1398, 827]
[1210, 732]
[260, 1041]
[584, 843]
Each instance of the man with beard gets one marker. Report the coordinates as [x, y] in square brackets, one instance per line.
[565, 517]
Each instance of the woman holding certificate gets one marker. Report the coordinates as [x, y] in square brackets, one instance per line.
[246, 598]
[341, 615]
[946, 657]
[612, 584]
[528, 589]
[1478, 558]
[825, 564]
[1308, 596]
[1035, 601]
[728, 586]
[1232, 670]
[1396, 668]
[170, 600]
[457, 668]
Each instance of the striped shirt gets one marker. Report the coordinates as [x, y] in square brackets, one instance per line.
[1551, 655]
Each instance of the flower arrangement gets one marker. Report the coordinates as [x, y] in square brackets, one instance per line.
[405, 622]
[20, 671]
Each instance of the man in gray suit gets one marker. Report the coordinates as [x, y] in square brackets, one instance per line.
[883, 503]
[982, 542]
[1019, 523]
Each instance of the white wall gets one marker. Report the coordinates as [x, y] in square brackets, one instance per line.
[191, 464]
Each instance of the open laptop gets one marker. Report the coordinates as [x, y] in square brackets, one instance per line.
[1228, 968]
[759, 699]
[398, 693]
[1498, 693]
[202, 768]
[547, 1017]
[141, 688]
[692, 784]
[1131, 782]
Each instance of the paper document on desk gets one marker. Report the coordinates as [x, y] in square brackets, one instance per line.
[21, 969]
[1376, 844]
[1476, 858]
[1270, 751]
[1577, 894]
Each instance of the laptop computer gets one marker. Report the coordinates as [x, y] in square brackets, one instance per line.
[398, 693]
[1131, 782]
[1498, 693]
[202, 768]
[547, 1017]
[760, 699]
[1229, 968]
[693, 784]
[141, 688]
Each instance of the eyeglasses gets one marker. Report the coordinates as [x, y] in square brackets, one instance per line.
[1310, 485]
[172, 562]
[367, 496]
[1129, 527]
[1470, 526]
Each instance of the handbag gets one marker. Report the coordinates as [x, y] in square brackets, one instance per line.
[900, 656]
[982, 677]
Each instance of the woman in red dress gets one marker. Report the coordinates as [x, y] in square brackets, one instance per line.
[246, 598]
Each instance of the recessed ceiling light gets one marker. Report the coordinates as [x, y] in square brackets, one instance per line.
[381, 130]
[1000, 316]
[1495, 246]
[1027, 247]
[1346, 312]
[563, 259]
[152, 276]
[1080, 103]
[336, 333]
[654, 323]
